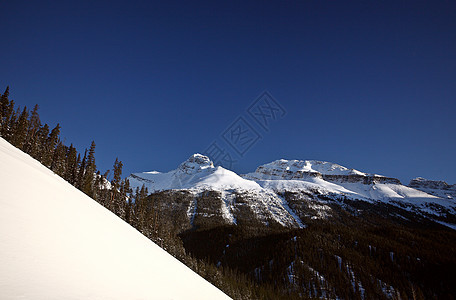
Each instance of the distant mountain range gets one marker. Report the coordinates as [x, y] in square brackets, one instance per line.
[289, 191]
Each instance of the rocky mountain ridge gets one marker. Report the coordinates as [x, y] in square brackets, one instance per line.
[287, 192]
[434, 187]
[301, 169]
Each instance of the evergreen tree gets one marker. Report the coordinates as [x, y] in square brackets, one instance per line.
[10, 122]
[20, 130]
[90, 170]
[34, 126]
[117, 170]
[71, 165]
[41, 137]
[59, 159]
[74, 174]
[50, 145]
[81, 171]
[125, 199]
[5, 111]
[117, 202]
[134, 215]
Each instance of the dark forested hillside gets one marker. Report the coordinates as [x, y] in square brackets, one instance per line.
[363, 256]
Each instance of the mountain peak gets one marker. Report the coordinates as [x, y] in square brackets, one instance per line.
[289, 168]
[196, 163]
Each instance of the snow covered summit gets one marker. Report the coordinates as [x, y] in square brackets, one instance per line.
[197, 173]
[196, 163]
[57, 243]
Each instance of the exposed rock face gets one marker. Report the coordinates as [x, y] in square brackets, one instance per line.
[420, 182]
[286, 174]
[434, 187]
[365, 179]
[210, 208]
[144, 180]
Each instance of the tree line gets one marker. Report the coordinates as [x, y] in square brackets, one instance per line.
[23, 129]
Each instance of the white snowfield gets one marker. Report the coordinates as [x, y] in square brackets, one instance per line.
[57, 243]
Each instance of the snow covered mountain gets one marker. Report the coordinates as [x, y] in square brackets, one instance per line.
[57, 243]
[198, 175]
[288, 191]
[332, 179]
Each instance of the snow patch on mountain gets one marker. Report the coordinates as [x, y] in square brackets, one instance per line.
[228, 199]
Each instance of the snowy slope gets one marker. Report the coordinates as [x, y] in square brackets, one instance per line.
[56, 243]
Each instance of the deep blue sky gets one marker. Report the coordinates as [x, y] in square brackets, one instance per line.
[370, 85]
